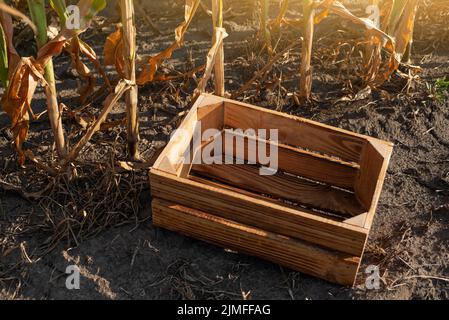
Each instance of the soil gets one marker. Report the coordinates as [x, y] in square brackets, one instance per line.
[126, 257]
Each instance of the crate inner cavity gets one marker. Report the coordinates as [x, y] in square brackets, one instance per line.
[298, 178]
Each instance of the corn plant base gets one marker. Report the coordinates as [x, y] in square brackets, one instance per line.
[314, 215]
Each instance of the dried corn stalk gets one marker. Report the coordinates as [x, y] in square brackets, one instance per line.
[305, 83]
[264, 7]
[393, 36]
[129, 57]
[402, 29]
[217, 19]
[220, 34]
[280, 19]
[38, 15]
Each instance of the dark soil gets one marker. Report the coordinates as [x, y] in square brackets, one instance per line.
[122, 256]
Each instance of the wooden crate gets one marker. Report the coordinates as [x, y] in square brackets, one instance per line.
[313, 216]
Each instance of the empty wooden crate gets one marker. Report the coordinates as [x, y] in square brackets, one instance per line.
[311, 212]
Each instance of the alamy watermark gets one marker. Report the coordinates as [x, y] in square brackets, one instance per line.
[72, 281]
[230, 146]
[73, 20]
[372, 282]
[374, 14]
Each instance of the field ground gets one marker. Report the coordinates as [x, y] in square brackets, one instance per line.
[122, 256]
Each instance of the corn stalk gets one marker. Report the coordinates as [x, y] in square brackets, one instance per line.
[3, 58]
[283, 7]
[264, 6]
[129, 36]
[305, 83]
[217, 19]
[38, 16]
[401, 25]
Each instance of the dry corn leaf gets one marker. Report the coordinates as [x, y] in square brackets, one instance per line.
[76, 47]
[113, 51]
[400, 27]
[77, 115]
[375, 37]
[385, 13]
[403, 31]
[16, 100]
[323, 14]
[188, 74]
[73, 48]
[150, 66]
[338, 8]
[149, 69]
[189, 11]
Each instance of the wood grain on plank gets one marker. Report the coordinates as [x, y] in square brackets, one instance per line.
[211, 116]
[330, 265]
[296, 131]
[290, 205]
[194, 155]
[283, 186]
[256, 212]
[373, 169]
[171, 158]
[293, 160]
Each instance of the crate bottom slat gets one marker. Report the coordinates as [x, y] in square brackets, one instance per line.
[298, 255]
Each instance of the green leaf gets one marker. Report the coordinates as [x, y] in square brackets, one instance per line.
[96, 7]
[3, 58]
[441, 87]
[61, 9]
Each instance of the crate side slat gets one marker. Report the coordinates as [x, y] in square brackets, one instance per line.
[262, 214]
[170, 160]
[293, 160]
[296, 131]
[310, 122]
[375, 160]
[332, 266]
[211, 116]
[282, 186]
